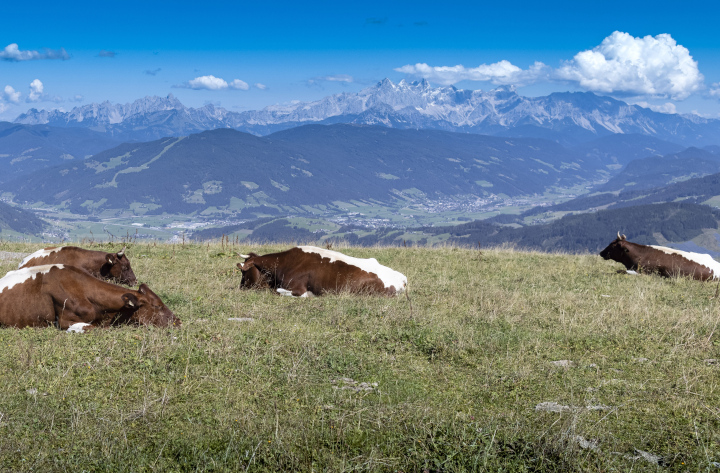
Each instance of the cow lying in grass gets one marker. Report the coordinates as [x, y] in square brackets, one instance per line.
[70, 298]
[102, 265]
[659, 259]
[307, 271]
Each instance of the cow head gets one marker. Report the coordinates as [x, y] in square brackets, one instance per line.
[618, 251]
[117, 266]
[146, 308]
[252, 275]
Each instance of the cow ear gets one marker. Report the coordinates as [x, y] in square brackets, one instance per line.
[130, 300]
[246, 265]
[143, 289]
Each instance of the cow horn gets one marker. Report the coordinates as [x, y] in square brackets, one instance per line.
[244, 256]
[619, 237]
[121, 252]
[624, 236]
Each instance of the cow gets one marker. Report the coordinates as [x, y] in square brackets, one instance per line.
[72, 299]
[307, 271]
[665, 261]
[102, 265]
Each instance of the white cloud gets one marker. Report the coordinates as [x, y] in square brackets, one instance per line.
[36, 91]
[208, 82]
[239, 85]
[11, 95]
[622, 64]
[656, 66]
[260, 86]
[13, 53]
[339, 78]
[214, 83]
[667, 107]
[715, 90]
[499, 73]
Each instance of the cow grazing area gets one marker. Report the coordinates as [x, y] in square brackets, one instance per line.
[507, 361]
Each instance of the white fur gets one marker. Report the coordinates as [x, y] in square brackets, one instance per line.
[285, 292]
[702, 259]
[78, 327]
[388, 276]
[19, 276]
[39, 254]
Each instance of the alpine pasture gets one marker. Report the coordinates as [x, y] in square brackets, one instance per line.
[503, 360]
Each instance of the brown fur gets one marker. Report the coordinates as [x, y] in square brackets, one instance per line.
[66, 296]
[102, 265]
[299, 272]
[647, 259]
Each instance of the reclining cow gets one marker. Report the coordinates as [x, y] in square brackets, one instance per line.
[306, 271]
[70, 298]
[664, 261]
[102, 265]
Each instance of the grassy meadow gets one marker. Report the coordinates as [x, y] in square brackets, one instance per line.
[506, 361]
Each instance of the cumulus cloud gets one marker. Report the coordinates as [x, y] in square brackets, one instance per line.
[36, 91]
[239, 85]
[214, 83]
[622, 64]
[13, 53]
[77, 98]
[260, 86]
[715, 90]
[11, 95]
[105, 53]
[655, 66]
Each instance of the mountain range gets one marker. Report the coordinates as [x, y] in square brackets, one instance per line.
[311, 165]
[568, 118]
[28, 148]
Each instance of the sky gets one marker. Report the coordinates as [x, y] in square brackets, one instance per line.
[249, 55]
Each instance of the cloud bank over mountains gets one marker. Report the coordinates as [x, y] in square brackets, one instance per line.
[653, 66]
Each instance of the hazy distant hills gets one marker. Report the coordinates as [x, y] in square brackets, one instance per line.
[19, 220]
[309, 165]
[646, 224]
[568, 118]
[659, 171]
[27, 148]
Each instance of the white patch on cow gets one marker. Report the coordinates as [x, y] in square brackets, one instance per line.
[702, 259]
[631, 272]
[39, 254]
[285, 292]
[19, 276]
[78, 327]
[388, 276]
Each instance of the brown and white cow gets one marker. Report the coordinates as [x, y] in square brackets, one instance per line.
[665, 261]
[102, 265]
[71, 299]
[306, 271]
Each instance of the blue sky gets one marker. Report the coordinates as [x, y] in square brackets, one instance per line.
[248, 55]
